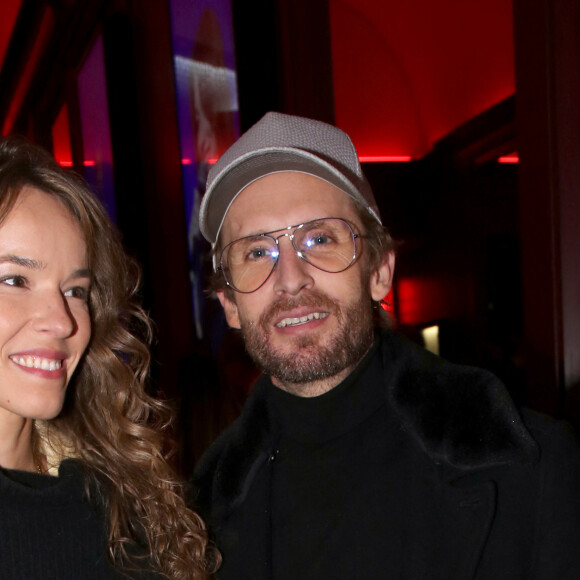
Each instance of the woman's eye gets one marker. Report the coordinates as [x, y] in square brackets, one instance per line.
[77, 292]
[16, 281]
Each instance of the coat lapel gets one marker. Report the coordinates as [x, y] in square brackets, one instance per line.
[440, 517]
[463, 421]
[458, 538]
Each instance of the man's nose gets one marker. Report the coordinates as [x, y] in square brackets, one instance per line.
[292, 273]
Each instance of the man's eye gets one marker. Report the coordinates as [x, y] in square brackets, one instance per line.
[257, 254]
[318, 240]
[16, 281]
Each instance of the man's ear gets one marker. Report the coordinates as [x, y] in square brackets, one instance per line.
[381, 279]
[230, 309]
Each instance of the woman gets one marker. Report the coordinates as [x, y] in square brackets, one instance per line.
[85, 489]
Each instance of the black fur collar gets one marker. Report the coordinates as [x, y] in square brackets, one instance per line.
[461, 416]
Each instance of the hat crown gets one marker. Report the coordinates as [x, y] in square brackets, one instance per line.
[280, 131]
[279, 143]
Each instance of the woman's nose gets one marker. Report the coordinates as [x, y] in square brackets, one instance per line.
[53, 315]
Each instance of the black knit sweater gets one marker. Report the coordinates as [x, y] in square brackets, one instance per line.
[330, 466]
[50, 531]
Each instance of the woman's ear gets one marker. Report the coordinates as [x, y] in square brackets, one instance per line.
[381, 279]
[230, 309]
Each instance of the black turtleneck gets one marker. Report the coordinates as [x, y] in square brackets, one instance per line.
[329, 479]
[50, 531]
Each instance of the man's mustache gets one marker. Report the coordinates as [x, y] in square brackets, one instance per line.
[312, 298]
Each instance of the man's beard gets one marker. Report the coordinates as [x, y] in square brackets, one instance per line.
[304, 360]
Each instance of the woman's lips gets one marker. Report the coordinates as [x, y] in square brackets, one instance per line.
[48, 364]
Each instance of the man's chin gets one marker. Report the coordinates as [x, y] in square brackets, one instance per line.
[290, 342]
[305, 359]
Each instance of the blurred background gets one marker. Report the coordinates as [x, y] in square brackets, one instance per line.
[466, 117]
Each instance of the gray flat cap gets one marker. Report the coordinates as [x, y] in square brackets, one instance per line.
[278, 143]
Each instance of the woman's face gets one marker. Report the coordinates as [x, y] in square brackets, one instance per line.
[44, 316]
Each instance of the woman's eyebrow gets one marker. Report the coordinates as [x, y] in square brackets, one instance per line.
[22, 261]
[82, 273]
[33, 264]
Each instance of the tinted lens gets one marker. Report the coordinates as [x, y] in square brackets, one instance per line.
[247, 262]
[328, 244]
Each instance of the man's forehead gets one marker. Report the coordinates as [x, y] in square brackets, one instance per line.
[286, 198]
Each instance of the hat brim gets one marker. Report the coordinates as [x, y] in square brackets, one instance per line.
[234, 178]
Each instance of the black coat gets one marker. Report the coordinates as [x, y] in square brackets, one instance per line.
[481, 492]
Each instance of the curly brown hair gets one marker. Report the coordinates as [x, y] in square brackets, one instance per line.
[110, 422]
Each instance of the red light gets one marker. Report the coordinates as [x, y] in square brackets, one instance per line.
[422, 300]
[88, 163]
[387, 303]
[385, 159]
[212, 160]
[186, 161]
[40, 42]
[61, 138]
[509, 159]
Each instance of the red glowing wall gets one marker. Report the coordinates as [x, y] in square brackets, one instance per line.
[408, 73]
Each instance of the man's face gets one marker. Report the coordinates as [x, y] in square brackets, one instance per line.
[307, 328]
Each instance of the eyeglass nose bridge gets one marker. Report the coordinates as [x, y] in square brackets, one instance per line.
[290, 236]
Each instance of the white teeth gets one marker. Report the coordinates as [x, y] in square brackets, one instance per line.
[301, 319]
[33, 362]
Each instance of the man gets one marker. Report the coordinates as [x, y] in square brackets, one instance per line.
[359, 455]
